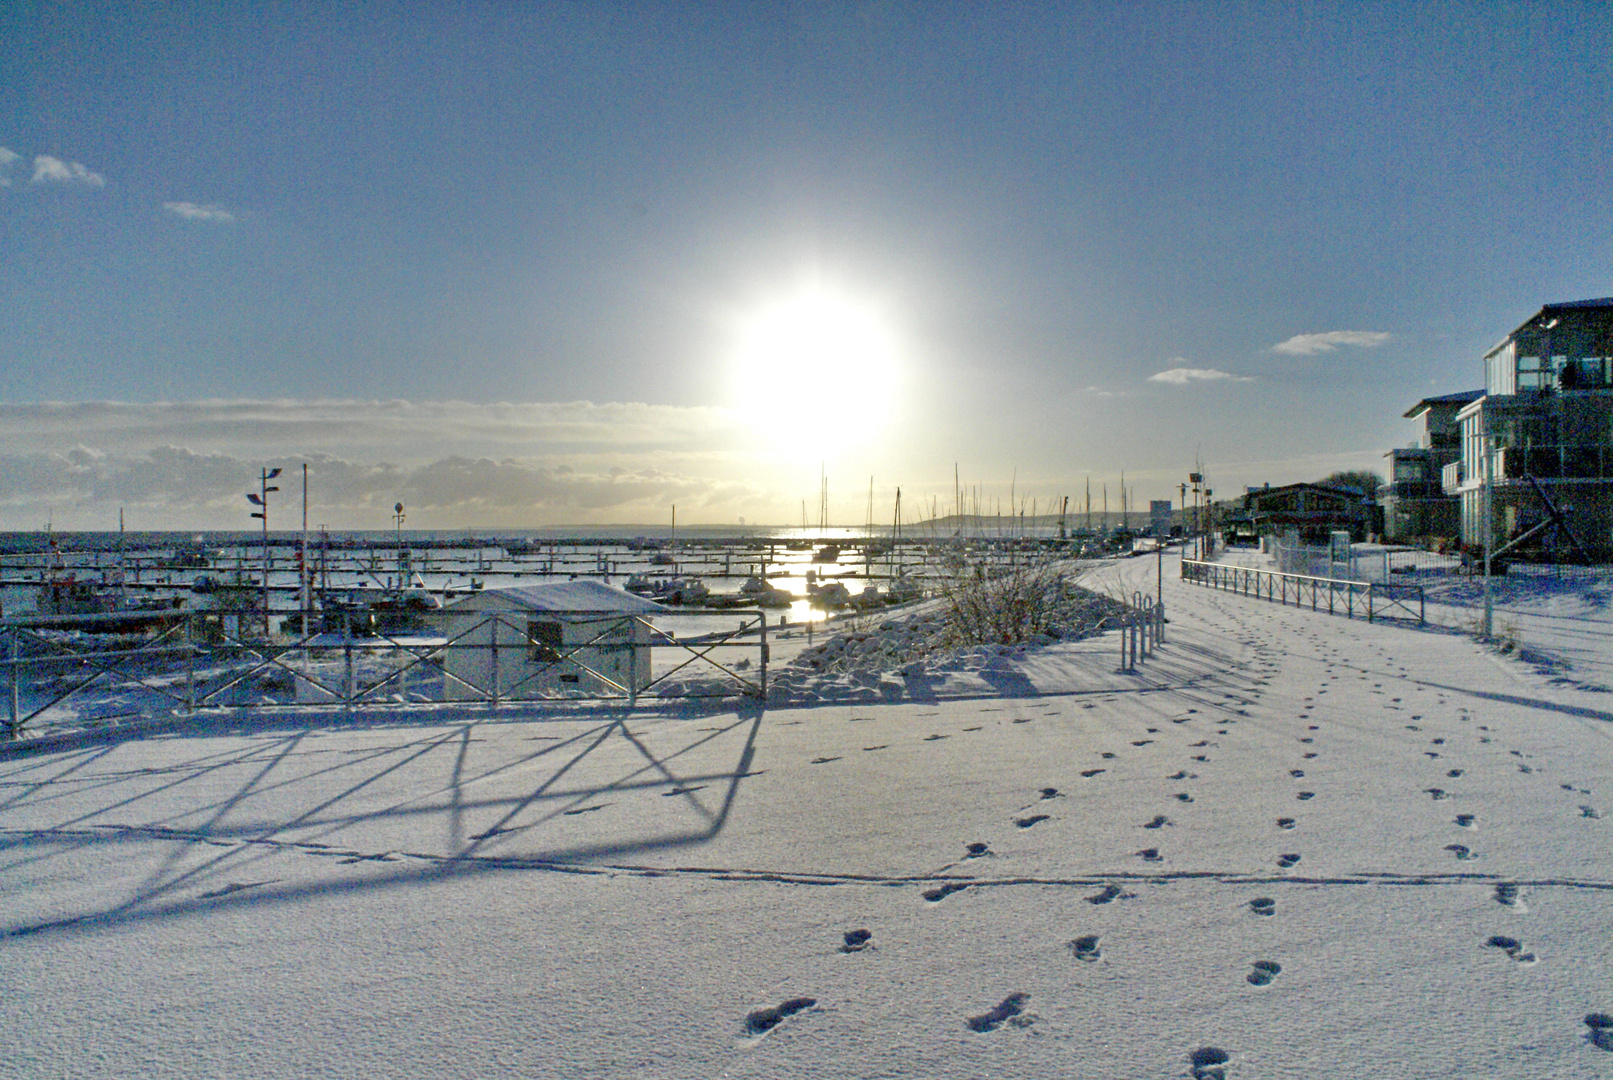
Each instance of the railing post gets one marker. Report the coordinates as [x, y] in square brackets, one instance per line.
[764, 657]
[190, 665]
[632, 661]
[347, 660]
[12, 651]
[493, 644]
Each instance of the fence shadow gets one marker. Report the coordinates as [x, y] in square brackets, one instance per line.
[485, 811]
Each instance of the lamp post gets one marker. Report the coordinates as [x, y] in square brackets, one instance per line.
[1198, 543]
[260, 499]
[397, 525]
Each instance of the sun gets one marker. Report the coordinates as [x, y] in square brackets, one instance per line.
[816, 368]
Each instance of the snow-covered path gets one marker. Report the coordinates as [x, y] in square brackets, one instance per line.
[1312, 845]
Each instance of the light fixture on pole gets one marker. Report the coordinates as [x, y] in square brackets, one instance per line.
[260, 499]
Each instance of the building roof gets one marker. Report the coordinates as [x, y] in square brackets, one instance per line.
[1460, 398]
[1549, 311]
[579, 596]
[1325, 489]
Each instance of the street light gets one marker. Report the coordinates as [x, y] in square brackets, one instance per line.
[260, 499]
[397, 524]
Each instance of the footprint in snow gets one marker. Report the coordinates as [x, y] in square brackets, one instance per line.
[1027, 822]
[1182, 796]
[1108, 894]
[1467, 821]
[1263, 905]
[857, 941]
[1461, 851]
[977, 849]
[1051, 793]
[1010, 1009]
[1296, 773]
[1179, 775]
[1454, 773]
[1512, 947]
[1305, 796]
[940, 893]
[1285, 823]
[881, 746]
[823, 760]
[1159, 821]
[762, 1021]
[1151, 855]
[1601, 1030]
[1106, 754]
[1090, 773]
[1086, 948]
[1264, 971]
[934, 738]
[1285, 861]
[1207, 1062]
[1437, 793]
[1589, 811]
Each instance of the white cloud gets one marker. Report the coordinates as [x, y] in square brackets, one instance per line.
[1309, 344]
[50, 169]
[1182, 376]
[6, 158]
[199, 211]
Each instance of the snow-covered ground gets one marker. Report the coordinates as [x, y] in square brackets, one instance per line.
[1289, 845]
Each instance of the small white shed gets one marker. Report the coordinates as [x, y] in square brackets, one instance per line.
[567, 635]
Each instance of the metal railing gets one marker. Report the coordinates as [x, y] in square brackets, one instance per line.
[1142, 629]
[118, 670]
[1374, 600]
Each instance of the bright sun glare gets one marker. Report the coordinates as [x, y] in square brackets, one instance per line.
[815, 370]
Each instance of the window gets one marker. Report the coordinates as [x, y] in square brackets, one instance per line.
[545, 639]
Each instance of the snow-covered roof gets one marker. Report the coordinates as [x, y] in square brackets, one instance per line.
[582, 595]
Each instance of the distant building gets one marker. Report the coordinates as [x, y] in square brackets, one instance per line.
[1547, 416]
[1414, 500]
[1314, 511]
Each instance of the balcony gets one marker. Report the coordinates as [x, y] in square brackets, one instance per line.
[1451, 478]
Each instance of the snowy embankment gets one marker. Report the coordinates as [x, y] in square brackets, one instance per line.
[1288, 846]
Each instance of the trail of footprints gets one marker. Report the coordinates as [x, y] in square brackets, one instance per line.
[1208, 1062]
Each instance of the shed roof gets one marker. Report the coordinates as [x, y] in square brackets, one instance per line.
[581, 596]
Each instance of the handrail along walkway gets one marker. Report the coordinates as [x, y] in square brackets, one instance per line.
[1376, 600]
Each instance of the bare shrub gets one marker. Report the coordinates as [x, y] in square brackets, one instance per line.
[1014, 607]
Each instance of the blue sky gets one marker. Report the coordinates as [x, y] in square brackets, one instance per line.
[500, 260]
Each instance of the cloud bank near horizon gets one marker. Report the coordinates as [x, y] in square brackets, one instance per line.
[187, 465]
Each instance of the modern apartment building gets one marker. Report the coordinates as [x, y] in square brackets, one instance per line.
[1542, 433]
